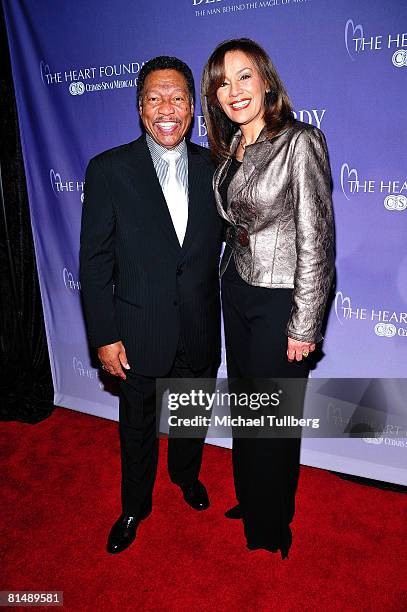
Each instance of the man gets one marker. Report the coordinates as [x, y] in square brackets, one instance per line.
[150, 248]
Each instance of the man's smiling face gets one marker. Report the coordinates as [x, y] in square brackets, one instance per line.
[166, 109]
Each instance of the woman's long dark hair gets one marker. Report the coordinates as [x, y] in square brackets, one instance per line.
[278, 109]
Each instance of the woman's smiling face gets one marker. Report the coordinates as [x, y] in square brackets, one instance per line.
[241, 95]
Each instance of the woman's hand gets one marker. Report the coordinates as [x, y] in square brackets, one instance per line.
[298, 350]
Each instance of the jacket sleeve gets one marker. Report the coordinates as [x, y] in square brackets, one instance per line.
[96, 257]
[313, 215]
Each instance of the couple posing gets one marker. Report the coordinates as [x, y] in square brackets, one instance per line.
[155, 214]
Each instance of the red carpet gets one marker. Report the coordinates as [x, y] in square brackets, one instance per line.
[61, 496]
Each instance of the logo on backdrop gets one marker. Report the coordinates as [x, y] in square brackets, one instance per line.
[86, 371]
[395, 442]
[61, 186]
[394, 191]
[357, 42]
[351, 33]
[204, 8]
[76, 89]
[69, 280]
[80, 80]
[313, 116]
[384, 323]
[44, 72]
[345, 418]
[376, 441]
[342, 303]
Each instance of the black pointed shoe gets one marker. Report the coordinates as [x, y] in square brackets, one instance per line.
[123, 532]
[196, 495]
[234, 513]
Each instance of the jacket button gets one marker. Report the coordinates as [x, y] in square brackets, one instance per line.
[243, 236]
[175, 303]
[179, 270]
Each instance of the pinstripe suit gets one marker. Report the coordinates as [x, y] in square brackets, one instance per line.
[165, 305]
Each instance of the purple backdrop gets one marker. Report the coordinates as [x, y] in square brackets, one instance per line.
[75, 69]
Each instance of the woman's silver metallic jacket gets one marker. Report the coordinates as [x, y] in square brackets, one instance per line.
[280, 221]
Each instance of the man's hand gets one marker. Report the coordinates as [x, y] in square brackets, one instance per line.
[297, 350]
[113, 358]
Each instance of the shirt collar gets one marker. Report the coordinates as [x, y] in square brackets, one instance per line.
[157, 150]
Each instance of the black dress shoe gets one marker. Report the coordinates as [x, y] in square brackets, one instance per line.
[234, 513]
[123, 532]
[196, 496]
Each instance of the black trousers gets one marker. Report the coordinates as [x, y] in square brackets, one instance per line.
[265, 470]
[139, 441]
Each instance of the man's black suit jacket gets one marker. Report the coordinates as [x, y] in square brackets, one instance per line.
[138, 284]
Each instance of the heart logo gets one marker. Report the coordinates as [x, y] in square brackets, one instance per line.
[350, 31]
[346, 176]
[56, 180]
[68, 278]
[44, 70]
[78, 366]
[342, 303]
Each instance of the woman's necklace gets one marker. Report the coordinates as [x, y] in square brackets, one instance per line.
[239, 156]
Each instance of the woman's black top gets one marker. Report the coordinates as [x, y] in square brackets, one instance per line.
[223, 189]
[231, 274]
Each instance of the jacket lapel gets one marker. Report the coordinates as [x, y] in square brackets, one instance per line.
[218, 177]
[148, 186]
[238, 182]
[256, 155]
[197, 175]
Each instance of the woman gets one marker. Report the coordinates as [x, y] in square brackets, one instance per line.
[273, 189]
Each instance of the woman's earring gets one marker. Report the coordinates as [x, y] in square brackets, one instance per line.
[270, 96]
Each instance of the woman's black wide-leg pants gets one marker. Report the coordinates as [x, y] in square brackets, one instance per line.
[266, 469]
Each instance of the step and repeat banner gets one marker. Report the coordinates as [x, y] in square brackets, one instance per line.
[344, 63]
